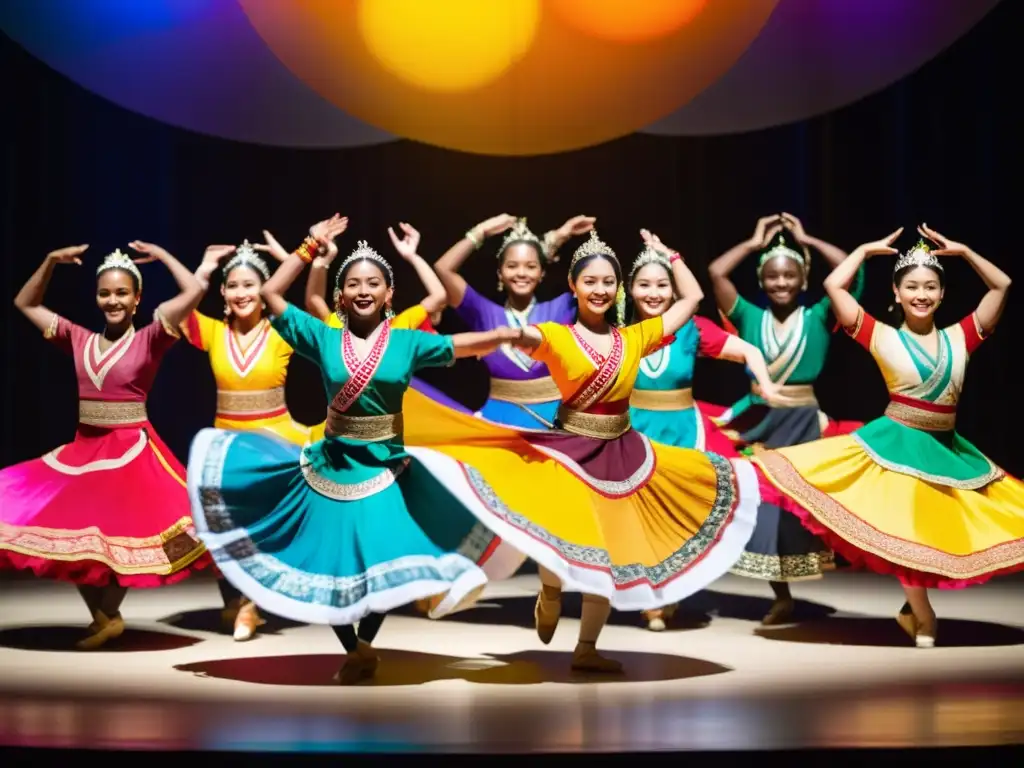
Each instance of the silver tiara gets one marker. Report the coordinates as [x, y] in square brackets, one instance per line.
[594, 246]
[245, 256]
[118, 260]
[649, 256]
[364, 251]
[918, 256]
[520, 233]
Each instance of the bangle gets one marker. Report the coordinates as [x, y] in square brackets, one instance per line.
[307, 249]
[674, 257]
[473, 239]
[320, 263]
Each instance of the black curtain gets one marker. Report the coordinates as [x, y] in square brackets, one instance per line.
[941, 146]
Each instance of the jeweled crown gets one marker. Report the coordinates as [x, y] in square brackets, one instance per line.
[919, 256]
[118, 260]
[520, 233]
[364, 251]
[594, 246]
[246, 256]
[781, 249]
[649, 256]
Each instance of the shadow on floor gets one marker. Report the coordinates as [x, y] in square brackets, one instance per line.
[63, 639]
[953, 633]
[413, 668]
[208, 620]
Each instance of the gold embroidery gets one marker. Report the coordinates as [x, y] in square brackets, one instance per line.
[349, 491]
[857, 325]
[526, 392]
[51, 329]
[169, 329]
[662, 399]
[368, 428]
[801, 394]
[601, 426]
[248, 402]
[805, 567]
[105, 413]
[919, 418]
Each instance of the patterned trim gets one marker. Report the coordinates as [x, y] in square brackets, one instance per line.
[108, 413]
[597, 425]
[51, 329]
[98, 364]
[855, 330]
[627, 576]
[360, 371]
[525, 391]
[805, 567]
[908, 554]
[168, 552]
[349, 491]
[612, 489]
[366, 428]
[925, 419]
[801, 394]
[243, 361]
[662, 399]
[169, 329]
[971, 484]
[603, 378]
[247, 402]
[100, 465]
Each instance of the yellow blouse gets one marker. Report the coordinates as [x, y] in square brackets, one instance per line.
[411, 319]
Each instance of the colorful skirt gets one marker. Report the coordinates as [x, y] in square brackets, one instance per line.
[329, 533]
[685, 428]
[282, 426]
[641, 524]
[109, 507]
[929, 509]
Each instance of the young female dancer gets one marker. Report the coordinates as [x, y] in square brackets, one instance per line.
[522, 393]
[602, 509]
[662, 405]
[794, 340]
[250, 361]
[906, 494]
[350, 527]
[109, 510]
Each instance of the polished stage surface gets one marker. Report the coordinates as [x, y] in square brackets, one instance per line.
[481, 682]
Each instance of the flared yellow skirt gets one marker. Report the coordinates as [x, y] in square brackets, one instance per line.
[282, 427]
[892, 522]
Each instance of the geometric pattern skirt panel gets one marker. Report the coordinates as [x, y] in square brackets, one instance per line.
[332, 532]
[109, 507]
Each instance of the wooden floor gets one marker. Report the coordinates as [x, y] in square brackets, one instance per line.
[481, 681]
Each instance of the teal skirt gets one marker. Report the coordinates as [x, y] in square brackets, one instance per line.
[331, 532]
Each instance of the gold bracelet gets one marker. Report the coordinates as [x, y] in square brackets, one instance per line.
[473, 239]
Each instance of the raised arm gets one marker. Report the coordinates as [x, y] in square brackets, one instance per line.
[687, 287]
[436, 298]
[992, 304]
[316, 284]
[845, 307]
[448, 266]
[30, 298]
[320, 234]
[737, 350]
[480, 343]
[831, 253]
[720, 269]
[174, 311]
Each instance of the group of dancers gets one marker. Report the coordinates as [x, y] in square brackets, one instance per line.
[590, 456]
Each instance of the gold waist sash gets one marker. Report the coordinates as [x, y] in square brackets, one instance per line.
[525, 391]
[662, 399]
[932, 418]
[800, 394]
[601, 426]
[103, 413]
[246, 403]
[368, 428]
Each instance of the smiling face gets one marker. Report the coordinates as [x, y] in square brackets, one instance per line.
[241, 292]
[364, 290]
[520, 270]
[782, 280]
[919, 291]
[595, 286]
[651, 291]
[116, 296]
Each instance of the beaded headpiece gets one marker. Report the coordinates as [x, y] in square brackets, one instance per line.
[919, 256]
[118, 260]
[245, 256]
[520, 233]
[364, 251]
[594, 246]
[649, 256]
[781, 249]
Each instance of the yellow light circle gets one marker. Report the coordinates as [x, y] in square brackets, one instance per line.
[629, 21]
[448, 45]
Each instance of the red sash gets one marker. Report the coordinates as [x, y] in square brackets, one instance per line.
[360, 371]
[602, 379]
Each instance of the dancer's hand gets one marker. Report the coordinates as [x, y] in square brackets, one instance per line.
[152, 252]
[408, 245]
[67, 255]
[772, 395]
[793, 224]
[653, 242]
[767, 228]
[272, 246]
[882, 247]
[577, 225]
[946, 247]
[327, 230]
[496, 225]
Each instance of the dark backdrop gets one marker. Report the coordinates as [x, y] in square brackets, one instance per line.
[940, 146]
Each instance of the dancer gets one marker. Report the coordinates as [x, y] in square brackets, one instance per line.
[350, 527]
[662, 405]
[522, 393]
[794, 340]
[906, 494]
[109, 510]
[250, 362]
[602, 510]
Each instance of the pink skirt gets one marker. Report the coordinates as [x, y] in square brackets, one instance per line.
[111, 506]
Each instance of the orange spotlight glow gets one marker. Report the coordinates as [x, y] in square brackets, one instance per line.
[629, 21]
[448, 45]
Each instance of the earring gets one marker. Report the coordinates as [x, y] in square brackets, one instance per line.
[389, 313]
[501, 286]
[227, 310]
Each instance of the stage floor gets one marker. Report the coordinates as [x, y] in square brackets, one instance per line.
[480, 681]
